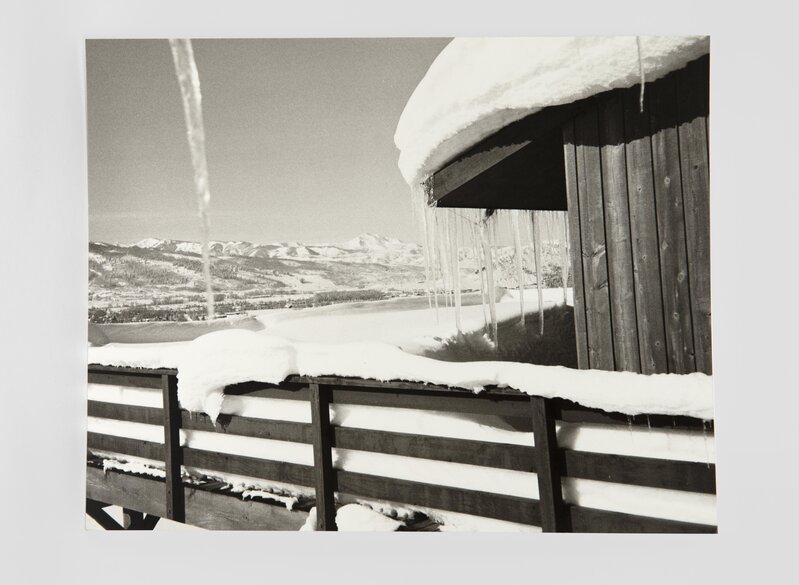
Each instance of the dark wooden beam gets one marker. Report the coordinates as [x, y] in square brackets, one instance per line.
[140, 414]
[175, 505]
[325, 479]
[125, 379]
[125, 446]
[475, 503]
[496, 455]
[206, 509]
[592, 520]
[548, 467]
[277, 430]
[249, 466]
[95, 511]
[131, 518]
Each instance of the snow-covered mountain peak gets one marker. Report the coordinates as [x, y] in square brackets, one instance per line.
[375, 242]
[150, 243]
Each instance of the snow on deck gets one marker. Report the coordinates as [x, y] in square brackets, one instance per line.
[478, 85]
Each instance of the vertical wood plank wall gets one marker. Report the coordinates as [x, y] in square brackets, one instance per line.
[638, 195]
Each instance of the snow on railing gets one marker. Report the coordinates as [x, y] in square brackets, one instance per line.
[211, 362]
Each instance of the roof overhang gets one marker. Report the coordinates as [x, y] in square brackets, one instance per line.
[519, 167]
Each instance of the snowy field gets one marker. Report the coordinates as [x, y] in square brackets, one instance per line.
[408, 323]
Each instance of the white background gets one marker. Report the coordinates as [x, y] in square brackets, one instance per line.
[43, 234]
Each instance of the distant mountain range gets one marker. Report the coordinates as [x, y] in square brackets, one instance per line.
[365, 248]
[156, 271]
[159, 273]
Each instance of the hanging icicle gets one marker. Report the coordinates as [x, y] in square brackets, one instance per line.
[538, 271]
[189, 81]
[456, 268]
[517, 242]
[564, 258]
[420, 214]
[641, 73]
[431, 247]
[480, 259]
[487, 243]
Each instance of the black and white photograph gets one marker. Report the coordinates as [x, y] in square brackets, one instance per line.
[513, 279]
[471, 295]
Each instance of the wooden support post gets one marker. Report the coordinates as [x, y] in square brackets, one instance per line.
[323, 458]
[147, 522]
[95, 511]
[131, 519]
[548, 466]
[175, 505]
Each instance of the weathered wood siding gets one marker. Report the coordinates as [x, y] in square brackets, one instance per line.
[638, 194]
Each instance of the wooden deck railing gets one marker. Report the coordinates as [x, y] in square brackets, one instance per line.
[551, 463]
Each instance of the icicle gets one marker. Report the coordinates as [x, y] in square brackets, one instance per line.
[431, 239]
[444, 261]
[538, 272]
[189, 81]
[564, 259]
[456, 280]
[641, 72]
[422, 210]
[478, 256]
[517, 242]
[489, 265]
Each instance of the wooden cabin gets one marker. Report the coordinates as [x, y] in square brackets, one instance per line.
[633, 177]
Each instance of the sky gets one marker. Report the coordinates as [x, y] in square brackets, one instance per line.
[299, 138]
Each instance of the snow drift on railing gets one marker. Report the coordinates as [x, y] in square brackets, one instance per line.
[213, 361]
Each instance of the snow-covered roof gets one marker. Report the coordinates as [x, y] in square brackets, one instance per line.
[478, 85]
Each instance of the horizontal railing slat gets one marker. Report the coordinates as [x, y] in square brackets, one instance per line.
[210, 510]
[502, 456]
[400, 385]
[593, 520]
[498, 506]
[279, 471]
[125, 412]
[468, 403]
[126, 446]
[132, 380]
[278, 430]
[571, 412]
[660, 473]
[129, 370]
[284, 391]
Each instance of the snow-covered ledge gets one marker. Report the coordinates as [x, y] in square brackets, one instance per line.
[215, 360]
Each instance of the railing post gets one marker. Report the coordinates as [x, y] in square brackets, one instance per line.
[554, 514]
[175, 504]
[323, 458]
